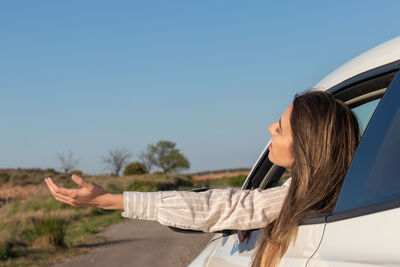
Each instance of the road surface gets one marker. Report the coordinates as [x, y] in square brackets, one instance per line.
[140, 243]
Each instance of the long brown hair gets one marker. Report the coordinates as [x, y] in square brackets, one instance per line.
[325, 136]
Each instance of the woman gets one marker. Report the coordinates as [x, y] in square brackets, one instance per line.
[325, 135]
[315, 139]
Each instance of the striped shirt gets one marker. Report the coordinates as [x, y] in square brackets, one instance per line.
[208, 211]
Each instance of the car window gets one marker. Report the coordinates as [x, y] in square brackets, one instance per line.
[364, 113]
[373, 178]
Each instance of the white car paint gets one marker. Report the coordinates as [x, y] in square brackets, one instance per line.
[204, 257]
[383, 248]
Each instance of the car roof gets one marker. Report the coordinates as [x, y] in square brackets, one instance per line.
[380, 55]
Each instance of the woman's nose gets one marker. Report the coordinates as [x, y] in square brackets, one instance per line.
[272, 128]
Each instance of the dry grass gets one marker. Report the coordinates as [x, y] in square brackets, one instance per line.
[219, 175]
[32, 223]
[34, 228]
[18, 192]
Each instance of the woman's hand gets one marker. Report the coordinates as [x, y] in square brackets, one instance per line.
[89, 195]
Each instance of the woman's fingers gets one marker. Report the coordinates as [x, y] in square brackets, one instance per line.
[50, 184]
[59, 197]
[78, 180]
[64, 199]
[52, 187]
[57, 189]
[84, 196]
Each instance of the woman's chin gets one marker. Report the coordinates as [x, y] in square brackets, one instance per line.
[270, 157]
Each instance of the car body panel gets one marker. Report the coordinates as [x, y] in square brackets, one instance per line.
[304, 245]
[227, 251]
[379, 248]
[231, 253]
[204, 257]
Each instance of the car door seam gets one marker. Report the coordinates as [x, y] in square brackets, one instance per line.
[319, 244]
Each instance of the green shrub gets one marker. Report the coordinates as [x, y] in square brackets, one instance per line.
[236, 181]
[7, 242]
[144, 186]
[135, 168]
[53, 227]
[65, 181]
[160, 183]
[98, 211]
[29, 234]
[50, 172]
[5, 250]
[114, 188]
[184, 182]
[174, 184]
[76, 172]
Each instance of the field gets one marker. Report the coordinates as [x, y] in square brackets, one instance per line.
[36, 230]
[212, 176]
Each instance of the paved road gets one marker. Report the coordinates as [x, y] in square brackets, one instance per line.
[141, 243]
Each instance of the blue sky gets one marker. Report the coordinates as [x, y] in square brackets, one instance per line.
[90, 76]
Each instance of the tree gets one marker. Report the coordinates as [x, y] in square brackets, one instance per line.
[116, 159]
[166, 156]
[146, 158]
[135, 168]
[67, 161]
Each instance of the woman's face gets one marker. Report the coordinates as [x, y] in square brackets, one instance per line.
[280, 149]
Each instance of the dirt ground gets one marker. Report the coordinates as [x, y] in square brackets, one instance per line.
[141, 243]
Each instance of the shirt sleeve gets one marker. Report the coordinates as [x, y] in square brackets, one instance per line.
[209, 211]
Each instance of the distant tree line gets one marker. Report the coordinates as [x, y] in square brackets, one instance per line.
[163, 155]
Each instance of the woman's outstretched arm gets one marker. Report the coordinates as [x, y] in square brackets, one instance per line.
[209, 211]
[89, 195]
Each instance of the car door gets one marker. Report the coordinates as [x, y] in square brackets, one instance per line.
[363, 229]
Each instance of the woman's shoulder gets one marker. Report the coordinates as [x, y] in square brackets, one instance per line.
[288, 181]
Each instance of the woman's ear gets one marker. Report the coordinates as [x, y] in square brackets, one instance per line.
[291, 158]
[291, 165]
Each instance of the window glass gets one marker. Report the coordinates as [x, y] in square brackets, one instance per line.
[373, 177]
[364, 113]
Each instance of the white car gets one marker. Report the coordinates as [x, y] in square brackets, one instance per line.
[364, 228]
